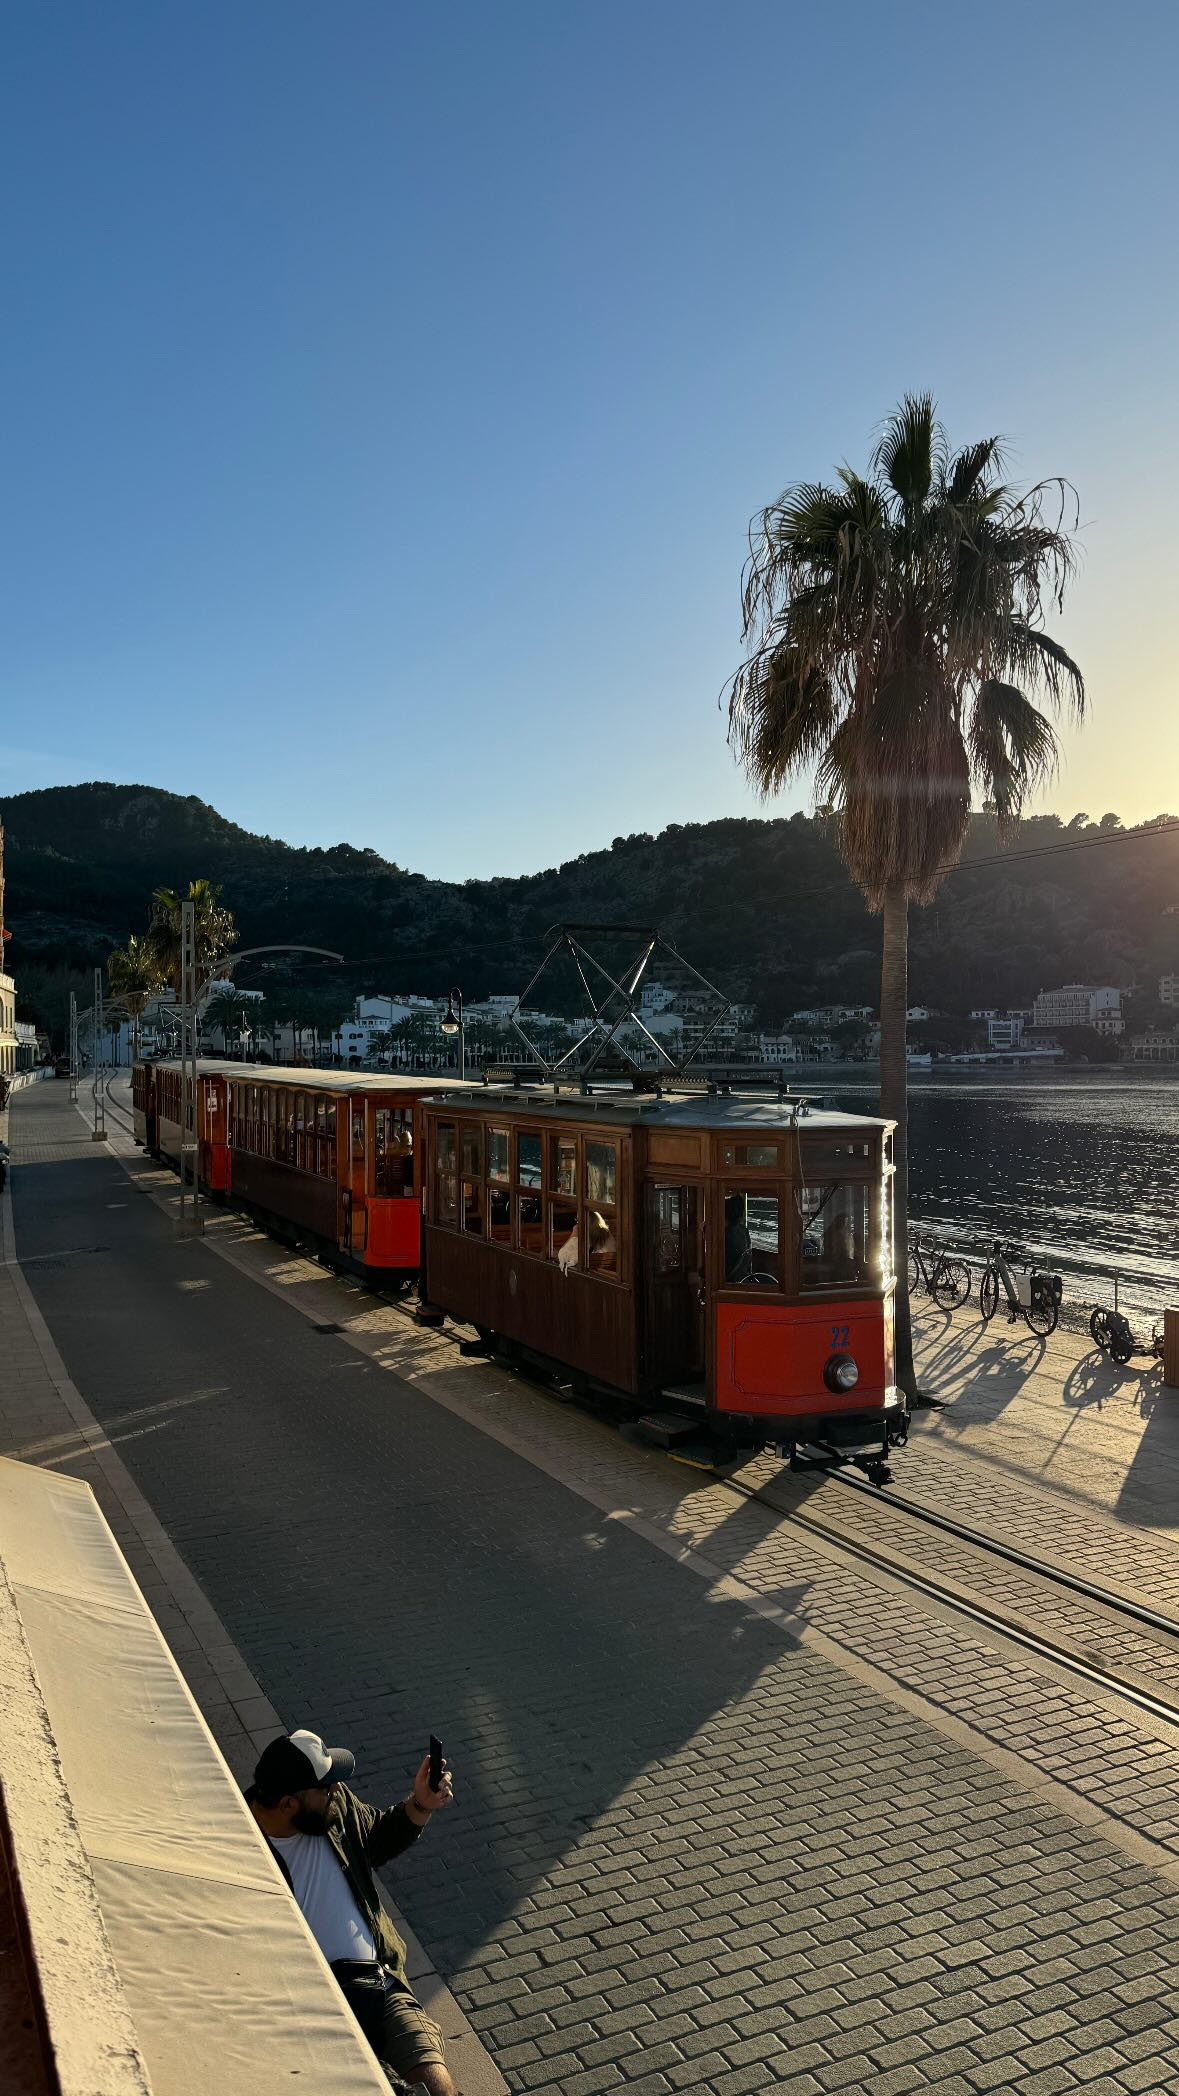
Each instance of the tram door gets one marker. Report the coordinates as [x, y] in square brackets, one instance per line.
[675, 1292]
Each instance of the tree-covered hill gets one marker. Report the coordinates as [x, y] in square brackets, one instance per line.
[762, 906]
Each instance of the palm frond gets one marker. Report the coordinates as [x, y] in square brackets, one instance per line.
[911, 450]
[968, 471]
[1013, 747]
[782, 715]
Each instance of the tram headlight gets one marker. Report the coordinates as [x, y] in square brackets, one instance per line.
[841, 1373]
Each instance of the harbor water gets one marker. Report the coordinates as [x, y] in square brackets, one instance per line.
[1079, 1167]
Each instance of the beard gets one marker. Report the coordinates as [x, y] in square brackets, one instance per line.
[308, 1821]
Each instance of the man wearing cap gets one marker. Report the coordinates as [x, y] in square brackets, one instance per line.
[328, 1843]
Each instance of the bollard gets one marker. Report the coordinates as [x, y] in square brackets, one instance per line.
[1171, 1349]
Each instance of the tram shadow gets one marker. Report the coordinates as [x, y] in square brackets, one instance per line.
[1149, 1497]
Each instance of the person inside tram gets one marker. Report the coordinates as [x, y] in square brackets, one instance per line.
[599, 1242]
[738, 1242]
[567, 1256]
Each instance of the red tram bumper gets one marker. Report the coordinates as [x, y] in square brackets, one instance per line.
[778, 1368]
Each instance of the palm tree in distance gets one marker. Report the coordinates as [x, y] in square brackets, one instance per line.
[215, 932]
[134, 976]
[896, 632]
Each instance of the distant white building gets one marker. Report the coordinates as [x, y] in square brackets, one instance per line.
[1005, 1030]
[1079, 1004]
[1169, 989]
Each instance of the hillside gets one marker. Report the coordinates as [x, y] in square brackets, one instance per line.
[763, 906]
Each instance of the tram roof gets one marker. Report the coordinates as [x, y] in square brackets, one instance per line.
[721, 1110]
[350, 1081]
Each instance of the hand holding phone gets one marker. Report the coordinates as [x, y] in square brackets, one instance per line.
[435, 1762]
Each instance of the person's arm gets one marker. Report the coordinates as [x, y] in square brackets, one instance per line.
[394, 1831]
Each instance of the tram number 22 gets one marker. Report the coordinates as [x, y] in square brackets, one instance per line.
[839, 1335]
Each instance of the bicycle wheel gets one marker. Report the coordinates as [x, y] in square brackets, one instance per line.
[951, 1283]
[1121, 1346]
[1042, 1314]
[1099, 1324]
[988, 1293]
[914, 1275]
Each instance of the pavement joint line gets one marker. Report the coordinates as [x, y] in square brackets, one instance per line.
[220, 1653]
[1012, 1765]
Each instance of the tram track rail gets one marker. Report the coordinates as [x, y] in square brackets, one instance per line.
[996, 1619]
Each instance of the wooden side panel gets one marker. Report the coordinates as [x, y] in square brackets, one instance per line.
[302, 1198]
[682, 1153]
[589, 1325]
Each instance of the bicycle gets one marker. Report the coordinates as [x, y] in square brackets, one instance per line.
[1034, 1296]
[1111, 1332]
[946, 1280]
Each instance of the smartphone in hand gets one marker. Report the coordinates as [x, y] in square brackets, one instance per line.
[435, 1762]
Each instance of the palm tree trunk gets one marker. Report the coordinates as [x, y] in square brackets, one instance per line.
[894, 1105]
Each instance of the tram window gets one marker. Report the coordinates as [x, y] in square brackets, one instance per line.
[885, 1260]
[358, 1135]
[753, 1257]
[499, 1215]
[836, 1247]
[473, 1207]
[601, 1242]
[446, 1206]
[669, 1230]
[498, 1153]
[472, 1145]
[839, 1153]
[529, 1220]
[601, 1174]
[328, 1161]
[751, 1156]
[564, 1242]
[528, 1160]
[563, 1166]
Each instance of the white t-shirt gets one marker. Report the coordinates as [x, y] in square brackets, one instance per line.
[323, 1892]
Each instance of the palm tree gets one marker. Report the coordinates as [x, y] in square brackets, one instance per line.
[228, 1011]
[215, 931]
[896, 633]
[134, 976]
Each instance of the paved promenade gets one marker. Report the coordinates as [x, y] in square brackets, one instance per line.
[734, 1815]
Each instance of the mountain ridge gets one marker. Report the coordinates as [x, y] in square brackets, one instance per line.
[764, 906]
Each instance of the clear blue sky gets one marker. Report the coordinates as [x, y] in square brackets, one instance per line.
[387, 389]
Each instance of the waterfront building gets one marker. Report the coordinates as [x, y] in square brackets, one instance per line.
[1080, 1004]
[1159, 1044]
[1169, 989]
[1005, 1029]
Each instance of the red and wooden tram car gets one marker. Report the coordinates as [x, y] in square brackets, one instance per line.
[726, 1254]
[328, 1156]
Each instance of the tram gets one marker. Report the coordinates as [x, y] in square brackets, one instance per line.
[328, 1157]
[725, 1254]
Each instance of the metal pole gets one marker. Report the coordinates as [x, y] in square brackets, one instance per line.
[73, 1049]
[98, 1132]
[462, 1040]
[188, 1064]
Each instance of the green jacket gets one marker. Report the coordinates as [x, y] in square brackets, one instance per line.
[364, 1839]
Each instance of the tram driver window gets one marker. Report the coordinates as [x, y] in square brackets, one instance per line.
[446, 1210]
[836, 1248]
[753, 1255]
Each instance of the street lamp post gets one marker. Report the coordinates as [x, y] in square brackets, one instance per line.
[453, 1024]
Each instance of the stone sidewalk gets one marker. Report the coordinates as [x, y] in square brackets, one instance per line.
[45, 1420]
[713, 1835]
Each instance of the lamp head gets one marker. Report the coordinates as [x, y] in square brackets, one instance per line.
[453, 1019]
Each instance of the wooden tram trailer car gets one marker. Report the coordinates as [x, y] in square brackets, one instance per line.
[325, 1155]
[727, 1253]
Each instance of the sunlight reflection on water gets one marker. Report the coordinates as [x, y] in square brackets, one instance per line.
[1083, 1170]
